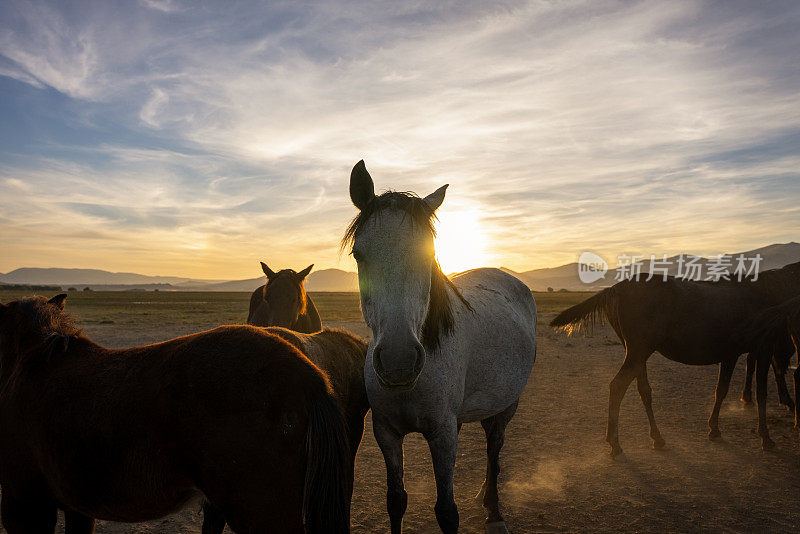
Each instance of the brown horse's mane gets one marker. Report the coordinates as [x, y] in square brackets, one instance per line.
[52, 330]
[291, 275]
[439, 319]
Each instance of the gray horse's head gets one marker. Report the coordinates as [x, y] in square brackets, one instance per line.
[403, 294]
[284, 296]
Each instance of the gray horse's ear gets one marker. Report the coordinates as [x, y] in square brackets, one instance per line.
[267, 270]
[302, 274]
[435, 199]
[362, 188]
[58, 300]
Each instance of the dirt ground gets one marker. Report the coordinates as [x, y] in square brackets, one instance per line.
[557, 475]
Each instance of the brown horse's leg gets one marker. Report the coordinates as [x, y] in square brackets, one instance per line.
[76, 523]
[646, 394]
[723, 382]
[495, 429]
[750, 366]
[762, 370]
[213, 519]
[619, 385]
[28, 517]
[780, 364]
[391, 445]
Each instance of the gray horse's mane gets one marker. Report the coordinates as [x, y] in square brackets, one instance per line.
[439, 319]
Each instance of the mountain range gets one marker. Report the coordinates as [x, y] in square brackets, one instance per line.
[561, 277]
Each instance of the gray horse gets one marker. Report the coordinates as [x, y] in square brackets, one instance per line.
[442, 352]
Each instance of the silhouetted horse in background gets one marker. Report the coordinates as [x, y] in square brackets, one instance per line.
[690, 322]
[770, 327]
[235, 414]
[283, 301]
[341, 355]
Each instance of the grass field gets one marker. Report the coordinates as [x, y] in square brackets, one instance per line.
[557, 474]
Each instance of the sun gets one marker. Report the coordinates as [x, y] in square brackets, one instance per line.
[461, 242]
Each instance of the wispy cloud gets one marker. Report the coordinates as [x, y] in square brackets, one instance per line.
[647, 126]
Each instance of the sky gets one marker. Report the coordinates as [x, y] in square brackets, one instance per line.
[195, 139]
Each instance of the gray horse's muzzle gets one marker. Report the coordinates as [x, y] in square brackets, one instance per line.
[398, 366]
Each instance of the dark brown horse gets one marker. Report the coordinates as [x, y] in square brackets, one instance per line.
[770, 327]
[283, 301]
[341, 355]
[235, 415]
[695, 323]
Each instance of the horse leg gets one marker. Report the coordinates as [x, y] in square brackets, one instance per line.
[780, 364]
[495, 429]
[625, 375]
[762, 370]
[646, 394]
[443, 444]
[723, 382]
[77, 523]
[796, 377]
[26, 517]
[391, 444]
[213, 519]
[750, 366]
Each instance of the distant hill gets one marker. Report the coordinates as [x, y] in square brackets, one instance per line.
[561, 277]
[60, 276]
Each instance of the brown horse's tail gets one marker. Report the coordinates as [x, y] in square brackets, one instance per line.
[326, 496]
[596, 309]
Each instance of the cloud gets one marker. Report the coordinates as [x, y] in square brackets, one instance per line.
[654, 126]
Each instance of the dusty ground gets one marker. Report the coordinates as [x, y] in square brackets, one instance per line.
[557, 474]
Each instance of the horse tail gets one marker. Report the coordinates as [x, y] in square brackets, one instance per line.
[326, 495]
[594, 310]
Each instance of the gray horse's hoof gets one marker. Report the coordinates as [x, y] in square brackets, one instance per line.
[747, 400]
[714, 434]
[498, 527]
[659, 443]
[767, 444]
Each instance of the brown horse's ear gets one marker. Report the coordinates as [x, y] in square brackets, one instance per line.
[362, 188]
[267, 270]
[58, 300]
[302, 274]
[435, 199]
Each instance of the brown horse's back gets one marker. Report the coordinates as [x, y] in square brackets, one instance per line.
[688, 322]
[131, 435]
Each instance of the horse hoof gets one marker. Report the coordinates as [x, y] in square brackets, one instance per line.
[659, 443]
[747, 400]
[616, 450]
[497, 527]
[767, 444]
[714, 434]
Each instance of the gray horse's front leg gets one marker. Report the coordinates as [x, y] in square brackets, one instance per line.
[443, 443]
[391, 444]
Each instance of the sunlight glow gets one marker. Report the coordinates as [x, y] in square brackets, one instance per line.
[461, 241]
